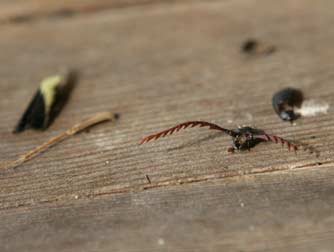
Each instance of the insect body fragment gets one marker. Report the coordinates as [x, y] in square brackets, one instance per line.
[285, 102]
[48, 101]
[243, 138]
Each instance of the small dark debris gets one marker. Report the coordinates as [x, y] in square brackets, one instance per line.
[148, 179]
[285, 101]
[117, 116]
[308, 148]
[249, 45]
[252, 46]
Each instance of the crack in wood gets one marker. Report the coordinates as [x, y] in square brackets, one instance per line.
[203, 178]
[171, 183]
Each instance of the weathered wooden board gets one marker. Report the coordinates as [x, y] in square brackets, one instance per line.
[291, 211]
[23, 11]
[158, 65]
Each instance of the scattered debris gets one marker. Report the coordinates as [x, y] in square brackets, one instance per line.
[243, 138]
[289, 104]
[252, 46]
[48, 101]
[308, 148]
[98, 118]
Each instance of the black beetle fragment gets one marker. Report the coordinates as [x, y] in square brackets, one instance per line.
[48, 101]
[285, 102]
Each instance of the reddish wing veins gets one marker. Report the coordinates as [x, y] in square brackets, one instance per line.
[184, 126]
[277, 139]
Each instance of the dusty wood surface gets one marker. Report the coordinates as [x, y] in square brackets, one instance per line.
[157, 65]
[23, 11]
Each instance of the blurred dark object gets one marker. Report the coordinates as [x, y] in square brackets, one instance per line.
[285, 102]
[48, 101]
[252, 46]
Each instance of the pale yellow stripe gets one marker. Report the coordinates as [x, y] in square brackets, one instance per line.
[48, 90]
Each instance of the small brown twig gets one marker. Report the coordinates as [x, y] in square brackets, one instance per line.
[98, 118]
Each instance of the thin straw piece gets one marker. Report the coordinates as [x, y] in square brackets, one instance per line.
[96, 119]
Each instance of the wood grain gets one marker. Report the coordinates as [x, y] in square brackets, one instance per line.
[157, 66]
[26, 11]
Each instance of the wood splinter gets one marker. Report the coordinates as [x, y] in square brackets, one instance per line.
[96, 119]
